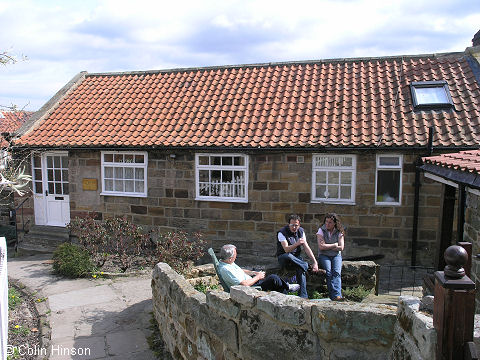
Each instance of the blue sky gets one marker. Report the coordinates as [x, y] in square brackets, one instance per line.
[61, 38]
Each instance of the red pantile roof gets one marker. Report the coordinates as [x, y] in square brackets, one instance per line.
[468, 161]
[10, 121]
[335, 103]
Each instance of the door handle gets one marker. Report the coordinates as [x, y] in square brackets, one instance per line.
[46, 192]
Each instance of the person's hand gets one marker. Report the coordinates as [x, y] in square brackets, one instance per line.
[301, 241]
[315, 268]
[260, 275]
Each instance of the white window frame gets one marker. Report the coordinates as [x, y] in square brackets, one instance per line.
[398, 167]
[133, 165]
[341, 169]
[438, 85]
[199, 167]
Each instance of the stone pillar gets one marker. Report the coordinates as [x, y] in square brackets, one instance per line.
[454, 306]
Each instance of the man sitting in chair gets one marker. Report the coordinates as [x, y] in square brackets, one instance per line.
[233, 274]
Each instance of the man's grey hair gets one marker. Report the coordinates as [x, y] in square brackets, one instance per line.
[227, 251]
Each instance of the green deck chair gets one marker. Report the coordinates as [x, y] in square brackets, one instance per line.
[222, 282]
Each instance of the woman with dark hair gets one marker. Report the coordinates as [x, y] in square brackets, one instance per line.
[331, 240]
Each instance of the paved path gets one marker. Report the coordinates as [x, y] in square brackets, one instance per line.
[109, 318]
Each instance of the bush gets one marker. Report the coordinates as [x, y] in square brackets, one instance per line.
[117, 238]
[72, 261]
[356, 293]
[178, 251]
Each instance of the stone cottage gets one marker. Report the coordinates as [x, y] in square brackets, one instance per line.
[232, 150]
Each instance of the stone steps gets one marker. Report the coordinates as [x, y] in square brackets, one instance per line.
[42, 239]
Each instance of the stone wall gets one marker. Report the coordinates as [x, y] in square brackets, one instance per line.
[472, 234]
[251, 324]
[279, 184]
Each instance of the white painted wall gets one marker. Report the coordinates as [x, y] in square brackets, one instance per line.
[3, 299]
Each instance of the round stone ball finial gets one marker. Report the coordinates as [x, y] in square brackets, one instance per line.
[455, 256]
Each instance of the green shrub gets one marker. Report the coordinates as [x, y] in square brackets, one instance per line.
[72, 261]
[14, 298]
[356, 293]
[204, 288]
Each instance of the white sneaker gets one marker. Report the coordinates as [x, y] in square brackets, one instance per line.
[293, 287]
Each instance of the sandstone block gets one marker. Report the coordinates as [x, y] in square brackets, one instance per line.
[245, 295]
[220, 301]
[287, 309]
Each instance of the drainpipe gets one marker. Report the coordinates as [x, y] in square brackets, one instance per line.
[461, 211]
[417, 197]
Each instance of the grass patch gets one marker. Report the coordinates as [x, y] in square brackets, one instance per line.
[155, 341]
[204, 288]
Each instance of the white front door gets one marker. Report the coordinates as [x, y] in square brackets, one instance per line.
[50, 187]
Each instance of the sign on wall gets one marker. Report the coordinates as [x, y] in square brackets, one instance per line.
[89, 184]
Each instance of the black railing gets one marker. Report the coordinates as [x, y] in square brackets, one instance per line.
[402, 280]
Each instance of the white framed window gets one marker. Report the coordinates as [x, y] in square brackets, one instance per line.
[124, 173]
[388, 180]
[431, 94]
[221, 177]
[334, 178]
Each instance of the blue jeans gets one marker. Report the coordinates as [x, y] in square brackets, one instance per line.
[301, 268]
[333, 269]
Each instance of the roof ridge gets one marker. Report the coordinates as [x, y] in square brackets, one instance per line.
[271, 64]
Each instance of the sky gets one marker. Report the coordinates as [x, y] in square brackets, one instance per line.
[53, 40]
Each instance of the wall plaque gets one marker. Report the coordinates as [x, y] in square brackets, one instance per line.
[89, 184]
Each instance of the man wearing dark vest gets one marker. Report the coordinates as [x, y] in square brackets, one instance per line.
[291, 238]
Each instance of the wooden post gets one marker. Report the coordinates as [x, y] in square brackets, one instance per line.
[454, 306]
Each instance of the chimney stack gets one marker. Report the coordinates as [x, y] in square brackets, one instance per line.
[476, 39]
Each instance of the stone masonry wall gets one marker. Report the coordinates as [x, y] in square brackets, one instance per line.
[251, 324]
[279, 184]
[472, 234]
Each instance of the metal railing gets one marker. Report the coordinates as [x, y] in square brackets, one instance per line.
[402, 280]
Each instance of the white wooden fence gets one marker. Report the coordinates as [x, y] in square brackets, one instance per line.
[3, 298]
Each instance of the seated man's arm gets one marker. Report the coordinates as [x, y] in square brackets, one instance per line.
[249, 282]
[309, 253]
[289, 248]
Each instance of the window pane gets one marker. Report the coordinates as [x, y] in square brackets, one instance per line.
[38, 174]
[38, 187]
[65, 162]
[203, 175]
[204, 189]
[128, 173]
[139, 159]
[227, 176]
[321, 177]
[37, 162]
[227, 160]
[321, 191]
[388, 185]
[108, 157]
[346, 177]
[58, 188]
[56, 161]
[49, 162]
[203, 160]
[118, 173]
[118, 158]
[65, 189]
[389, 161]
[239, 176]
[332, 191]
[139, 174]
[108, 173]
[333, 177]
[227, 190]
[215, 189]
[129, 186]
[128, 158]
[216, 160]
[108, 185]
[431, 95]
[51, 188]
[50, 175]
[58, 175]
[345, 192]
[239, 161]
[139, 187]
[215, 175]
[118, 185]
[64, 175]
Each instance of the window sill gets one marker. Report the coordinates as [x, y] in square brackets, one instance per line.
[388, 204]
[336, 202]
[123, 194]
[235, 200]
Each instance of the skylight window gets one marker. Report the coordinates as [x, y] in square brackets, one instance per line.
[431, 94]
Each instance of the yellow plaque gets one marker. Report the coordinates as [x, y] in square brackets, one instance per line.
[89, 184]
